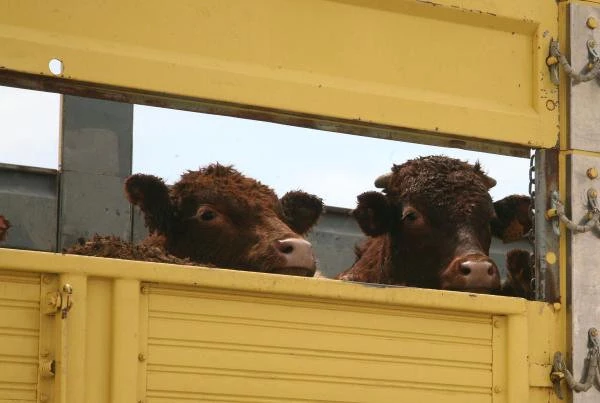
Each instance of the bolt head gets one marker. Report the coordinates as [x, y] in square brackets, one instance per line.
[594, 332]
[592, 23]
[497, 389]
[551, 60]
[592, 173]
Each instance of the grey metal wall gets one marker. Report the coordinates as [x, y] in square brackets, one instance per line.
[29, 200]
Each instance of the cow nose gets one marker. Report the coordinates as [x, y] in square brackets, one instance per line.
[479, 273]
[297, 253]
[468, 267]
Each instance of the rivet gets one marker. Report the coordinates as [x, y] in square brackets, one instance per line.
[551, 257]
[592, 23]
[141, 357]
[550, 105]
[592, 193]
[144, 290]
[497, 389]
[592, 173]
[497, 324]
[594, 332]
[591, 43]
[551, 60]
[557, 306]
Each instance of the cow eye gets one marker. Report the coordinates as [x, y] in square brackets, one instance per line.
[410, 216]
[207, 214]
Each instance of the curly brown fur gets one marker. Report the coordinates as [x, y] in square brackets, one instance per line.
[373, 213]
[114, 247]
[301, 210]
[150, 193]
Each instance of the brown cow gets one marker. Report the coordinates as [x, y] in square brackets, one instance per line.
[519, 274]
[513, 221]
[430, 229]
[218, 216]
[4, 226]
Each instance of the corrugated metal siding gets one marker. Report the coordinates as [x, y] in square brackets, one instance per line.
[19, 336]
[236, 347]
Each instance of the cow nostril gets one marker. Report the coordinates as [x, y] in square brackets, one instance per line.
[491, 270]
[465, 270]
[286, 249]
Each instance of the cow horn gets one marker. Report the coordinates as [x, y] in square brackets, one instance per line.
[383, 181]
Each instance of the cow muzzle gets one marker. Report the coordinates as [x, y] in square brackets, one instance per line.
[475, 273]
[298, 257]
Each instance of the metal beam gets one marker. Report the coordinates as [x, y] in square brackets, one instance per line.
[476, 68]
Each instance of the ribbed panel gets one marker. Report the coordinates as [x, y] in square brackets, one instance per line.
[19, 333]
[250, 348]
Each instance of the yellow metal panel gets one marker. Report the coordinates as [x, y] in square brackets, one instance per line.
[219, 335]
[202, 343]
[19, 332]
[465, 68]
[98, 339]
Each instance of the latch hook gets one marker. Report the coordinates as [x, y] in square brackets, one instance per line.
[591, 370]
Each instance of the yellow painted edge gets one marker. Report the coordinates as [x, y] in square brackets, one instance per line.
[341, 292]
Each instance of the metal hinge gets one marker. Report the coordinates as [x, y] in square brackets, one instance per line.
[60, 301]
[591, 371]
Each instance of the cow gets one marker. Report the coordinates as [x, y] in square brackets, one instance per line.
[512, 223]
[217, 216]
[429, 228]
[519, 274]
[4, 226]
[513, 219]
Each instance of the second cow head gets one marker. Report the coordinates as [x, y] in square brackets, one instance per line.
[216, 215]
[431, 226]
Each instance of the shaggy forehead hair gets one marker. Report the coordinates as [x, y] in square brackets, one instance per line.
[218, 182]
[442, 184]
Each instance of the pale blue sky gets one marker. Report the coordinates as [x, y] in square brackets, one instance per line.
[334, 166]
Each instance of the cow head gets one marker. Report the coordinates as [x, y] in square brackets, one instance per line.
[435, 214]
[513, 220]
[216, 215]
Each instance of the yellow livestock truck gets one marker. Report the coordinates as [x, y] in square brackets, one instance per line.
[510, 77]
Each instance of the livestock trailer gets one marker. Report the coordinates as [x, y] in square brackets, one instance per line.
[505, 76]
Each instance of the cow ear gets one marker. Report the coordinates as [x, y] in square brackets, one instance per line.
[301, 210]
[373, 213]
[151, 195]
[512, 219]
[487, 180]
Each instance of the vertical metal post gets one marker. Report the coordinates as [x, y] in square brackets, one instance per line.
[125, 341]
[582, 154]
[96, 155]
[546, 240]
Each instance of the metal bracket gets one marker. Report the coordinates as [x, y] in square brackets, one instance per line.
[591, 372]
[588, 73]
[60, 301]
[593, 216]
